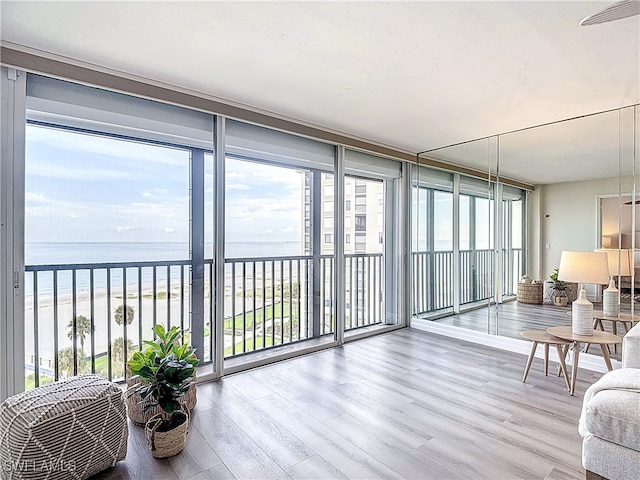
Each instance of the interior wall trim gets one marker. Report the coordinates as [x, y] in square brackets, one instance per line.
[67, 69]
[34, 61]
[421, 159]
[588, 361]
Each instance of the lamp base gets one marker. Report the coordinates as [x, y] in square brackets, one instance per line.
[582, 315]
[610, 300]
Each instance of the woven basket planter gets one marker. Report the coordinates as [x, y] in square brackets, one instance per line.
[166, 444]
[136, 406]
[530, 293]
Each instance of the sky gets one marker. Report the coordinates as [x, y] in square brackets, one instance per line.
[91, 188]
[87, 188]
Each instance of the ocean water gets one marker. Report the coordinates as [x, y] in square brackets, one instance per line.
[42, 253]
[37, 254]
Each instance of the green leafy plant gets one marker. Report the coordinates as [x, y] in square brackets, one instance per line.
[167, 368]
[558, 285]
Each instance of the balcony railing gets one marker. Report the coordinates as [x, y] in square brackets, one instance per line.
[364, 283]
[512, 271]
[84, 318]
[475, 275]
[91, 317]
[432, 281]
[432, 277]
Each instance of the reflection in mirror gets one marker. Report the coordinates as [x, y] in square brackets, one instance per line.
[546, 194]
[453, 231]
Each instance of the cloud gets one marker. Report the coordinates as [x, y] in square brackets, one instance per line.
[57, 170]
[157, 192]
[36, 197]
[231, 174]
[237, 186]
[121, 229]
[287, 230]
[169, 229]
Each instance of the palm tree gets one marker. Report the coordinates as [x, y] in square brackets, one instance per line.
[117, 315]
[65, 361]
[117, 349]
[83, 328]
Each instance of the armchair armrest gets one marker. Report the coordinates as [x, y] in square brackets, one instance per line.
[631, 348]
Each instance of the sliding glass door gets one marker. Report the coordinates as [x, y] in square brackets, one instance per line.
[140, 213]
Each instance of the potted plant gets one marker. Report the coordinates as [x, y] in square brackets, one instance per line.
[559, 296]
[167, 368]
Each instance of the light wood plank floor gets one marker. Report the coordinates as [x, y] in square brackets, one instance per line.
[406, 404]
[510, 318]
[514, 317]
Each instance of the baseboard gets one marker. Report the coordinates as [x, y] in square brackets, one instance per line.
[588, 361]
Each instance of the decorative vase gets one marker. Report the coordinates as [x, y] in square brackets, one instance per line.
[610, 300]
[136, 406]
[168, 443]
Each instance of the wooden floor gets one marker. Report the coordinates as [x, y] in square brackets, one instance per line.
[511, 318]
[406, 404]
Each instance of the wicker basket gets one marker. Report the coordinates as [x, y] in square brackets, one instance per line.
[166, 444]
[135, 404]
[530, 293]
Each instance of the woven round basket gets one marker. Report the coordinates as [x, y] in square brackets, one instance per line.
[166, 444]
[135, 404]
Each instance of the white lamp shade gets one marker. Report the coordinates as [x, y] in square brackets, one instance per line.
[619, 261]
[584, 267]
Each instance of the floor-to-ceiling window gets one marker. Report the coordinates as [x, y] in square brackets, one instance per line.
[141, 213]
[279, 238]
[372, 189]
[453, 261]
[432, 241]
[513, 211]
[476, 240]
[114, 222]
[364, 251]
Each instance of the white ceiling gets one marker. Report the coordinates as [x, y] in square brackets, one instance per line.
[411, 75]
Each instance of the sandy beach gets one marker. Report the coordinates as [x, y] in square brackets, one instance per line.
[52, 320]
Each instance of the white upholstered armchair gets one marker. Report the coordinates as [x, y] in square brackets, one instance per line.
[610, 419]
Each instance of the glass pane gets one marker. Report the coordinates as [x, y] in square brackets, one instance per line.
[484, 224]
[465, 221]
[365, 231]
[264, 209]
[269, 281]
[93, 202]
[443, 221]
[102, 199]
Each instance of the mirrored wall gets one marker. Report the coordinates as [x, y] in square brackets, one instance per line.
[568, 185]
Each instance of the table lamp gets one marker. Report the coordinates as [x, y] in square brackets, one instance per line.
[619, 265]
[583, 267]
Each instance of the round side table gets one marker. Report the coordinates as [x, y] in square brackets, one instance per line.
[599, 338]
[541, 336]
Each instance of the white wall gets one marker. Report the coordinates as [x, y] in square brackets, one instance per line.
[563, 216]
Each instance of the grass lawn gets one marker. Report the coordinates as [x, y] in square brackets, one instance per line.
[270, 312]
[259, 344]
